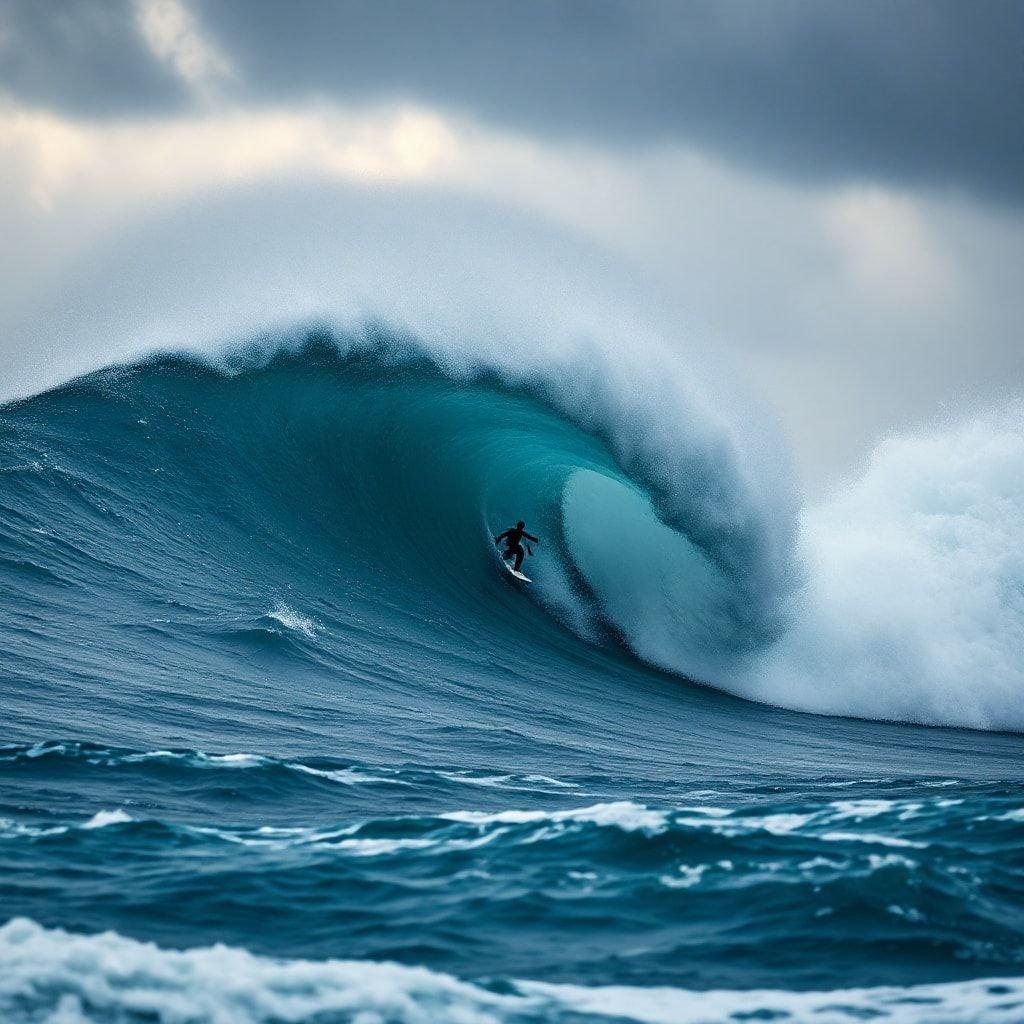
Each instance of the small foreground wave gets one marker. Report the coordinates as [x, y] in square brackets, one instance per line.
[53, 975]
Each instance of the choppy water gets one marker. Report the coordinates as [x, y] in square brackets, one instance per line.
[281, 742]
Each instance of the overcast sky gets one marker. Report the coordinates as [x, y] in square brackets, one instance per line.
[827, 197]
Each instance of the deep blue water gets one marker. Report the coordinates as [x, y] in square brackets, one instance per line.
[265, 685]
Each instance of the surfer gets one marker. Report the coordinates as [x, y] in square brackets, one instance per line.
[513, 538]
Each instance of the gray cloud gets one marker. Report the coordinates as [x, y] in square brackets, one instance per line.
[922, 91]
[84, 57]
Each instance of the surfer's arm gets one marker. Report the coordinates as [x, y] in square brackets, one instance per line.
[528, 536]
[501, 536]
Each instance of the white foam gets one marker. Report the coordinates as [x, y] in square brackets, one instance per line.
[382, 847]
[343, 839]
[622, 814]
[914, 604]
[293, 620]
[687, 877]
[46, 972]
[711, 812]
[42, 749]
[10, 828]
[54, 976]
[196, 758]
[989, 1001]
[547, 780]
[871, 837]
[876, 861]
[774, 824]
[1015, 815]
[273, 837]
[861, 809]
[522, 783]
[487, 781]
[823, 862]
[235, 760]
[908, 913]
[350, 776]
[150, 755]
[101, 819]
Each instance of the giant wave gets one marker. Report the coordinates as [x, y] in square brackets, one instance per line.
[367, 471]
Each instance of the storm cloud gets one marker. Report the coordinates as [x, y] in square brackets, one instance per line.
[923, 92]
[82, 58]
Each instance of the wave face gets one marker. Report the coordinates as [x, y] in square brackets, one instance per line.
[261, 664]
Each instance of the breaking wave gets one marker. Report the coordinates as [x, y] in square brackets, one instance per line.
[381, 466]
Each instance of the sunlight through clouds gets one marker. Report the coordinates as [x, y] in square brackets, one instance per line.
[60, 160]
[173, 35]
[887, 247]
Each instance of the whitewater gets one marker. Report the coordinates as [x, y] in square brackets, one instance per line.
[282, 743]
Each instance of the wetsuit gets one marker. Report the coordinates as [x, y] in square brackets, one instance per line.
[513, 538]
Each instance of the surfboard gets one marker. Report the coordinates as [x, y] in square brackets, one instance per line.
[518, 575]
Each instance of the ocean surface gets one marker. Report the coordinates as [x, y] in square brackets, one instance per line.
[281, 741]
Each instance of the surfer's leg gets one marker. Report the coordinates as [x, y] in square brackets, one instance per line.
[520, 555]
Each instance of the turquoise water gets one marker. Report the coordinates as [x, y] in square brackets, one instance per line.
[282, 743]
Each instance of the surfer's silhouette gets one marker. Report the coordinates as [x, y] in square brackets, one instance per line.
[513, 539]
